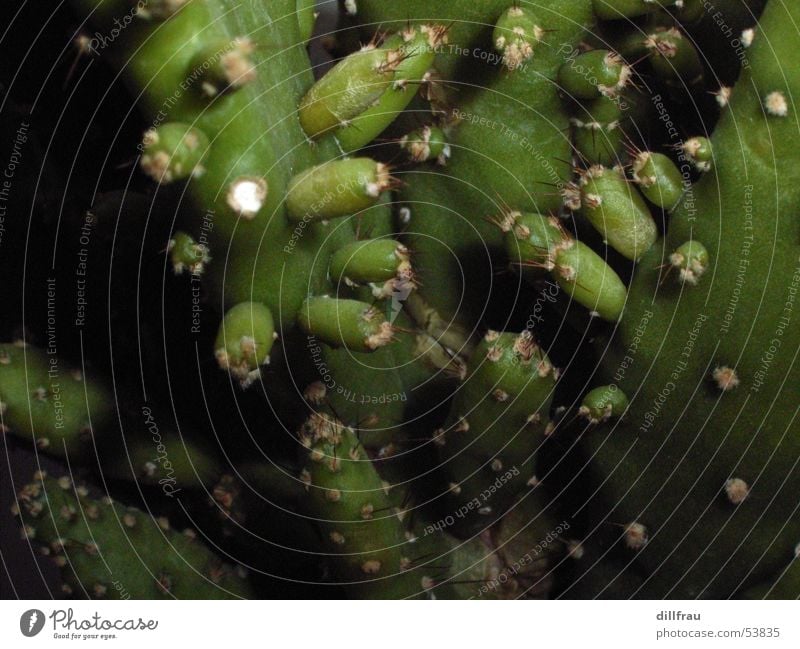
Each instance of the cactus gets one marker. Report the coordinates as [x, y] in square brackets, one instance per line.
[497, 422]
[107, 550]
[244, 341]
[515, 559]
[702, 480]
[413, 52]
[617, 211]
[594, 74]
[509, 139]
[603, 403]
[674, 58]
[535, 243]
[47, 403]
[67, 414]
[644, 506]
[658, 178]
[360, 525]
[369, 244]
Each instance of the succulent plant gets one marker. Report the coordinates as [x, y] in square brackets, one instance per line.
[495, 263]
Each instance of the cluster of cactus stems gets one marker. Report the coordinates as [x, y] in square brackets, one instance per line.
[368, 227]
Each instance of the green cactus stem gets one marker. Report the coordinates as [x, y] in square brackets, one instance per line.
[598, 137]
[514, 559]
[256, 141]
[700, 152]
[508, 134]
[108, 551]
[384, 263]
[691, 260]
[497, 421]
[224, 66]
[705, 458]
[516, 36]
[306, 18]
[680, 443]
[362, 531]
[159, 459]
[674, 58]
[44, 401]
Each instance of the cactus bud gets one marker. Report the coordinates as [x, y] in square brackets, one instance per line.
[426, 143]
[186, 254]
[594, 74]
[345, 323]
[383, 261]
[617, 211]
[675, 59]
[336, 189]
[418, 46]
[244, 341]
[658, 179]
[516, 36]
[347, 90]
[691, 259]
[603, 403]
[536, 243]
[699, 152]
[173, 151]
